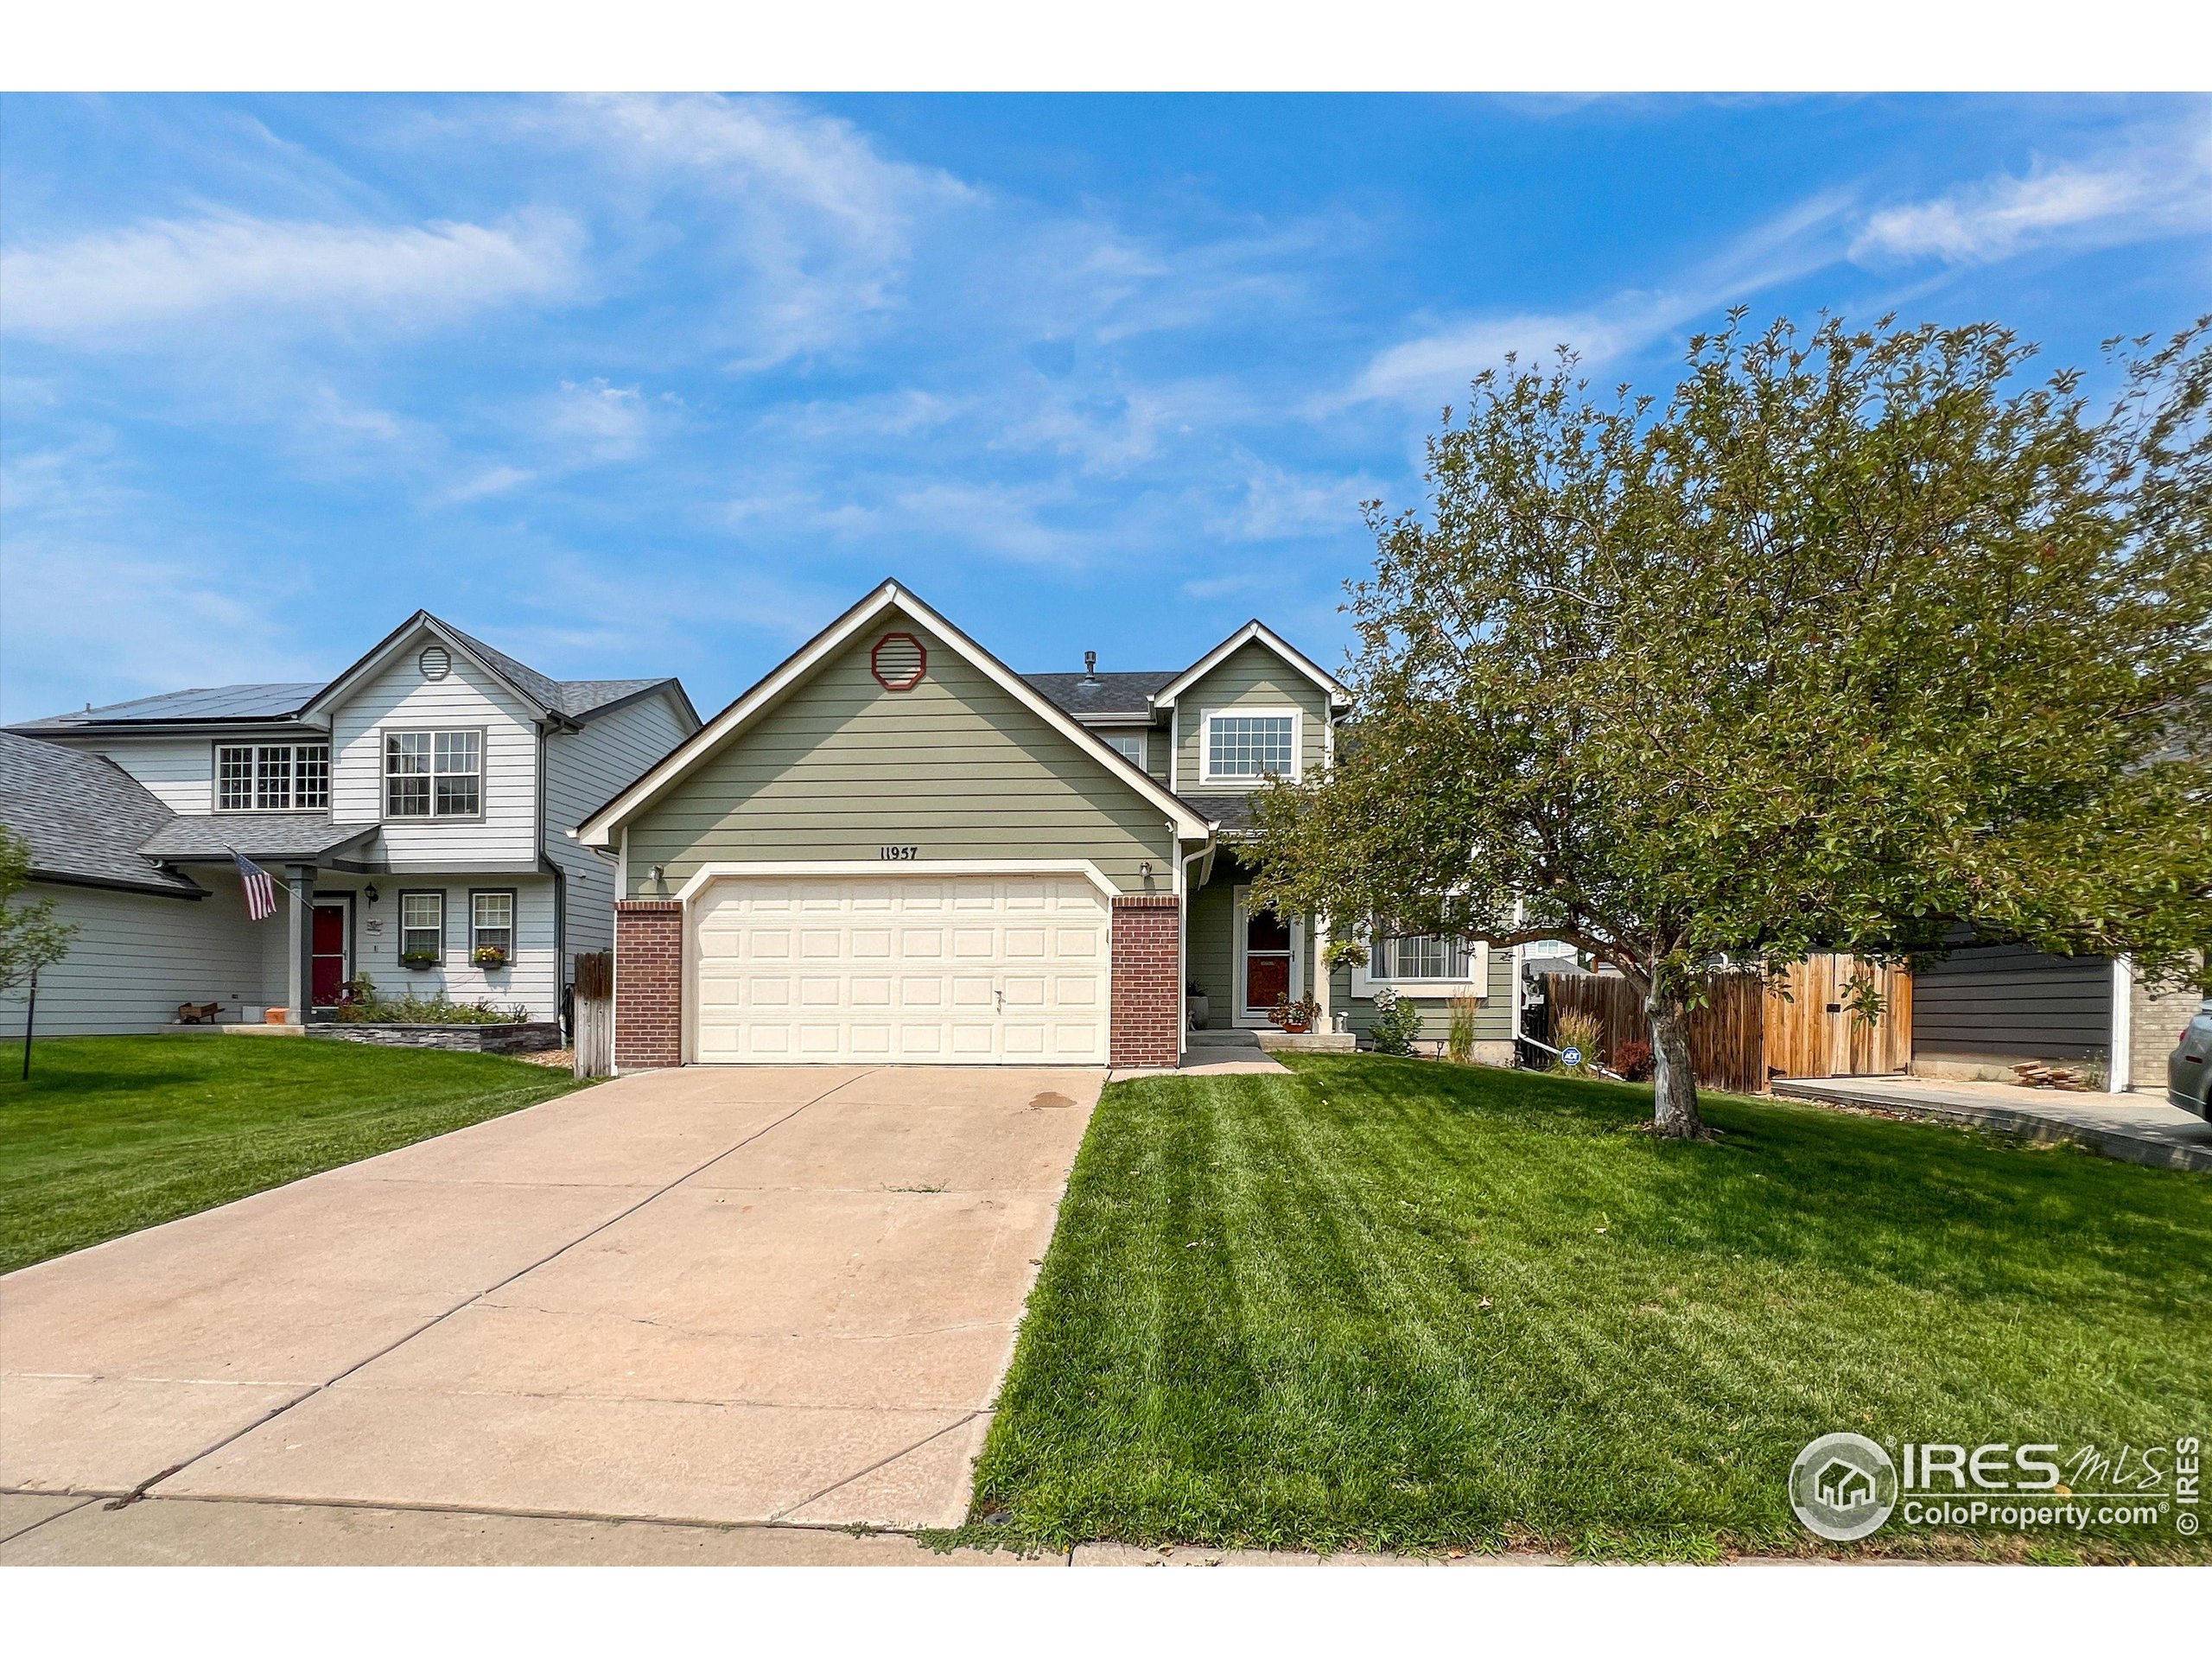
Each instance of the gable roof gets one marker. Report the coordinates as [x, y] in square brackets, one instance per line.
[598, 829]
[1102, 694]
[84, 817]
[1255, 632]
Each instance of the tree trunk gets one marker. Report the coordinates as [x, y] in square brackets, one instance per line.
[1673, 1078]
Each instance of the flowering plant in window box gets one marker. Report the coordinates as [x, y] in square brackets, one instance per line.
[418, 958]
[1293, 1014]
[489, 955]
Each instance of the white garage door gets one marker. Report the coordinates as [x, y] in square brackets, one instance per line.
[967, 969]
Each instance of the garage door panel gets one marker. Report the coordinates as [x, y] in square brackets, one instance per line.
[948, 968]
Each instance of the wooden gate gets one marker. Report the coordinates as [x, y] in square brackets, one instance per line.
[1746, 1034]
[592, 1014]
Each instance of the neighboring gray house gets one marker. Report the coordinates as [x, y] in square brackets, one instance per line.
[415, 810]
[896, 849]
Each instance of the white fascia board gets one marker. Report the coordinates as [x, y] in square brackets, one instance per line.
[397, 640]
[1253, 631]
[596, 830]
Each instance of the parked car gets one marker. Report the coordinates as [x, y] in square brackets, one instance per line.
[2188, 1072]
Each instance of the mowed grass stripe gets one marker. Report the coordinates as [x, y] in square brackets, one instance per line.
[1262, 1321]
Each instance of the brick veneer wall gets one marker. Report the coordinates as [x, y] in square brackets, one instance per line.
[648, 983]
[1146, 1013]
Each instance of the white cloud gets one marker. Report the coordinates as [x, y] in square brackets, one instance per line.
[1278, 505]
[810, 228]
[1435, 367]
[2152, 186]
[482, 485]
[163, 273]
[597, 423]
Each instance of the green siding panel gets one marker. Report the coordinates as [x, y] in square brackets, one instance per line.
[1251, 676]
[956, 766]
[1493, 1021]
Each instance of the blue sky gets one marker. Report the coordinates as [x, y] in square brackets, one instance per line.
[659, 385]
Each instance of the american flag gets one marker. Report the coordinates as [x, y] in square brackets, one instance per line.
[260, 889]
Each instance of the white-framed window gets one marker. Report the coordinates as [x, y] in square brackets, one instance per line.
[421, 924]
[1130, 745]
[434, 774]
[492, 922]
[272, 777]
[1423, 955]
[1250, 744]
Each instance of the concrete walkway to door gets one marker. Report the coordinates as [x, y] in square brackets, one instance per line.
[728, 1295]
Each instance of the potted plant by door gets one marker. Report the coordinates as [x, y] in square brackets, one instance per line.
[1195, 1006]
[1293, 1013]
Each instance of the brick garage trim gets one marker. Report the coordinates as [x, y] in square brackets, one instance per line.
[648, 983]
[1146, 1009]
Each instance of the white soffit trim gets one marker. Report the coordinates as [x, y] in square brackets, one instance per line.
[1260, 632]
[895, 868]
[597, 828]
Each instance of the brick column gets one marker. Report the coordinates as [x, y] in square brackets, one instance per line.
[1148, 998]
[648, 983]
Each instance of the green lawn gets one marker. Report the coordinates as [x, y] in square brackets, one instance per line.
[1398, 1304]
[113, 1134]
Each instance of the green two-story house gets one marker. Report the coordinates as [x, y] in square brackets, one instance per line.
[895, 848]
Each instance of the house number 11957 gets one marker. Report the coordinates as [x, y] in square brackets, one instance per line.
[900, 852]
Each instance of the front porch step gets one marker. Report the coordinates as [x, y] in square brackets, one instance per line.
[1309, 1042]
[1221, 1038]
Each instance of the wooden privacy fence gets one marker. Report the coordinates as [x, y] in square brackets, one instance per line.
[1746, 1034]
[592, 1013]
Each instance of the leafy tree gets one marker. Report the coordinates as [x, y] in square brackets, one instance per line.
[1854, 635]
[29, 937]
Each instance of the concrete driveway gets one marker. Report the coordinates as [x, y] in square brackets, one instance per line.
[717, 1295]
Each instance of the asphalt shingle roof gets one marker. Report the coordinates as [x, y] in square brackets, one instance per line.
[1232, 812]
[295, 835]
[1103, 694]
[83, 816]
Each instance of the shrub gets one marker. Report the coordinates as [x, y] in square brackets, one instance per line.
[1459, 1043]
[1632, 1060]
[369, 1009]
[1572, 1028]
[1397, 1022]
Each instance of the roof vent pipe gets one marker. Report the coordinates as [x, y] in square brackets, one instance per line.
[1089, 665]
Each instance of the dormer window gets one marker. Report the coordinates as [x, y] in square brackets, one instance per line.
[272, 777]
[434, 774]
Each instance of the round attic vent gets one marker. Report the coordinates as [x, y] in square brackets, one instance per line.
[435, 662]
[897, 662]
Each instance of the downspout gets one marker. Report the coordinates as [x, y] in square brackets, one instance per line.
[547, 861]
[1183, 933]
[2119, 1066]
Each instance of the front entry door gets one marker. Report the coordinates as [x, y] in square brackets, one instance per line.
[327, 949]
[1269, 961]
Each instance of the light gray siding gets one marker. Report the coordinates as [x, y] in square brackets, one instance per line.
[1493, 1019]
[136, 957]
[399, 698]
[1251, 676]
[957, 768]
[178, 771]
[531, 977]
[584, 770]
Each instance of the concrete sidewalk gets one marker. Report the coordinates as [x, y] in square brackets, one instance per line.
[2134, 1128]
[198, 1532]
[713, 1295]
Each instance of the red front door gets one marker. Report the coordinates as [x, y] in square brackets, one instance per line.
[1267, 960]
[328, 949]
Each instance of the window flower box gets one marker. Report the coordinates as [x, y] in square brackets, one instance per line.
[418, 958]
[488, 956]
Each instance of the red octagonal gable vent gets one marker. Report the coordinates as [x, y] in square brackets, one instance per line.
[897, 661]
